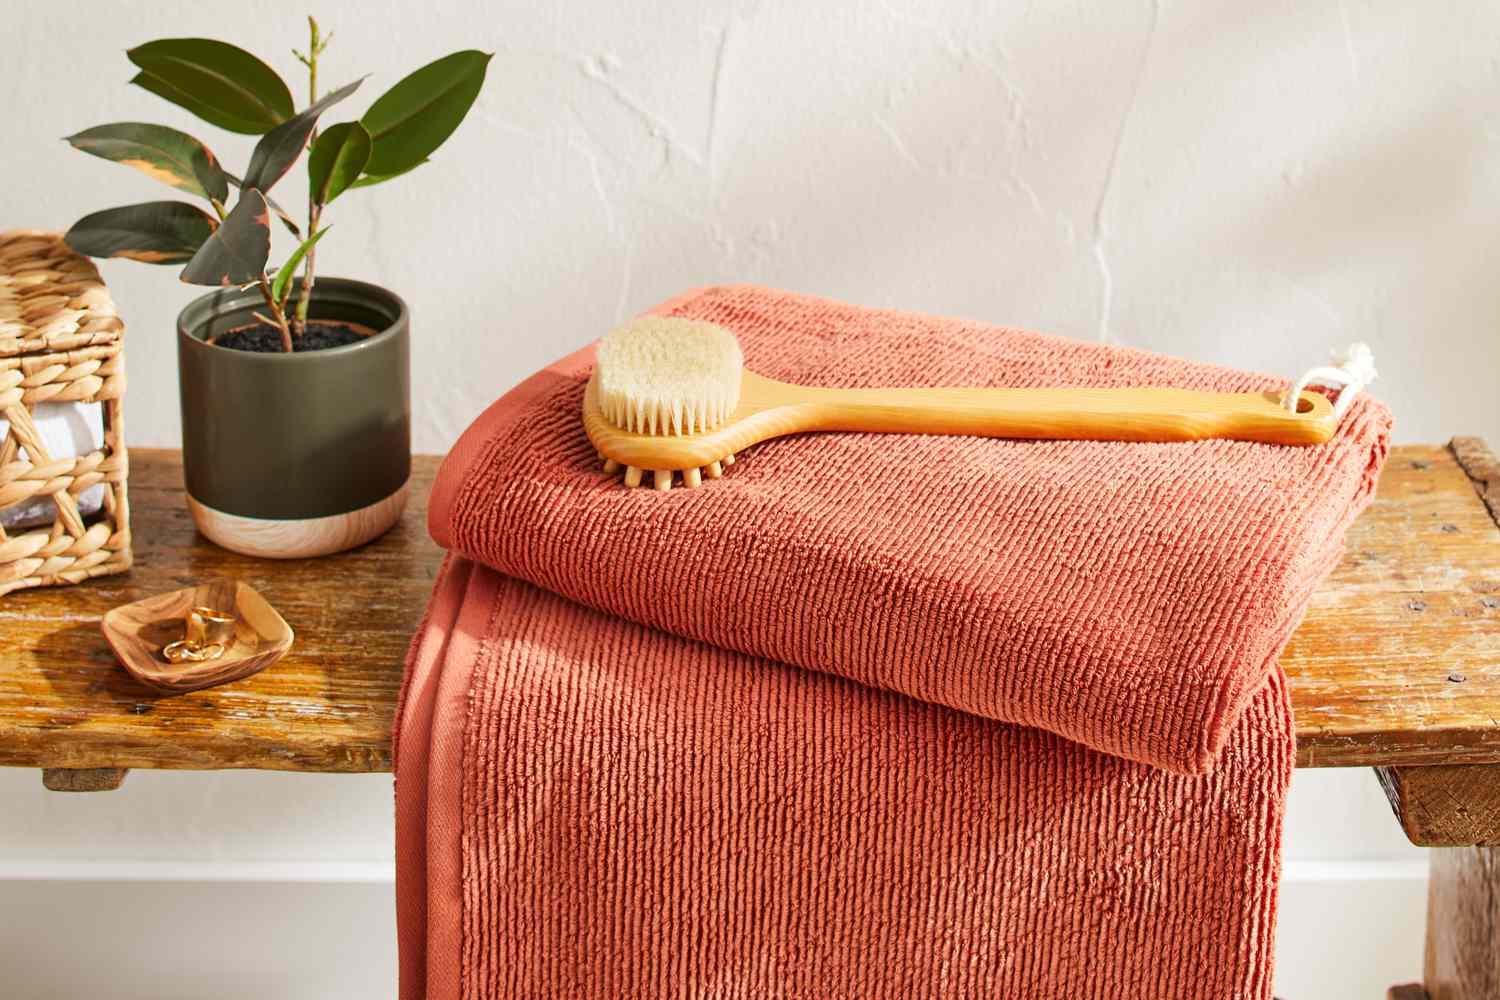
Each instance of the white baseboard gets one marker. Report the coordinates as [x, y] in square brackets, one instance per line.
[1293, 872]
[336, 872]
[1404, 870]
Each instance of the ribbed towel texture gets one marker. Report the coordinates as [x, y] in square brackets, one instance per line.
[873, 716]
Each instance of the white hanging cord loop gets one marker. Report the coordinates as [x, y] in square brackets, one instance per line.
[1352, 370]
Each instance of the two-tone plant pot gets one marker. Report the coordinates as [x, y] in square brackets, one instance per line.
[301, 454]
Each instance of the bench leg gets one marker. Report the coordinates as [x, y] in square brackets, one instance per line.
[1463, 928]
[83, 779]
[1455, 810]
[1463, 924]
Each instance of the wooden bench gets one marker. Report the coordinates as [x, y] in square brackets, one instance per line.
[1396, 667]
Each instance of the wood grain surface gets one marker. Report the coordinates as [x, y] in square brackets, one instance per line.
[138, 633]
[1462, 959]
[1445, 805]
[83, 779]
[1406, 991]
[1398, 659]
[272, 538]
[1397, 663]
[326, 706]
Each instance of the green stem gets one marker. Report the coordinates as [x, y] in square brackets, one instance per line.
[316, 45]
[314, 216]
[277, 315]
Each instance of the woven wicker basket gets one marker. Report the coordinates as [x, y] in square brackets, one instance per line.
[60, 341]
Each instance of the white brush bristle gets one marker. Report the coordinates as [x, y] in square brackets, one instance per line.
[662, 375]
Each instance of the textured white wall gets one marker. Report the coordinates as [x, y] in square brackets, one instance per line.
[1244, 183]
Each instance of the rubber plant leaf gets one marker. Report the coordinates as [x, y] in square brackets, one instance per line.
[157, 232]
[337, 158]
[369, 179]
[415, 116]
[281, 213]
[284, 276]
[220, 83]
[279, 148]
[236, 253]
[164, 154]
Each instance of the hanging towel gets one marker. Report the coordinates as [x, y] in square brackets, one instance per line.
[873, 716]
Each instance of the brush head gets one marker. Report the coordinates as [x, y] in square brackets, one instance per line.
[663, 375]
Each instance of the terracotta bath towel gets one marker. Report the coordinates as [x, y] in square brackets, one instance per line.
[871, 717]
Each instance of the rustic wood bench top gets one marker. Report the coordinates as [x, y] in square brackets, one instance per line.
[1397, 662]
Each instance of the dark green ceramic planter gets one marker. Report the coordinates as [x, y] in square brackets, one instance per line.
[292, 455]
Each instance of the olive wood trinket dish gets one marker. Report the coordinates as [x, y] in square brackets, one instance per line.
[137, 632]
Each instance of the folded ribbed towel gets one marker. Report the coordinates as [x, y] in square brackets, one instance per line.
[631, 761]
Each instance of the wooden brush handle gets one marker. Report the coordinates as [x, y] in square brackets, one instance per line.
[1141, 414]
[769, 409]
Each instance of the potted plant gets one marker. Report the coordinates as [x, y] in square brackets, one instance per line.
[295, 388]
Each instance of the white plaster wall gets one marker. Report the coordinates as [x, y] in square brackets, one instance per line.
[1244, 183]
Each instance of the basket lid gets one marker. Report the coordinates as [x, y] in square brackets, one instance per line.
[51, 297]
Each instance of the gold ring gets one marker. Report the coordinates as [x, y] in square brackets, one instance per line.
[183, 651]
[208, 632]
[207, 626]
